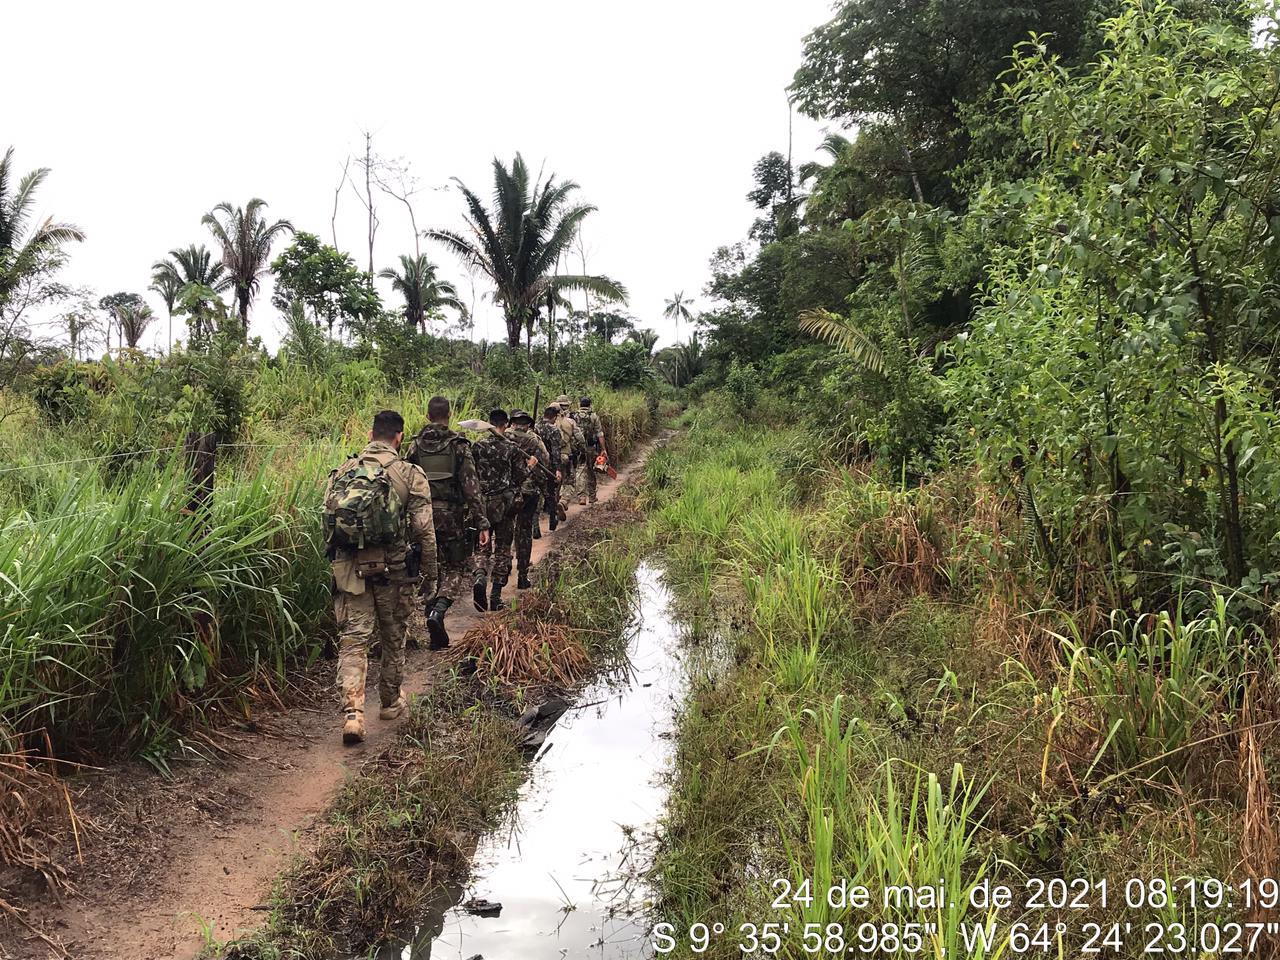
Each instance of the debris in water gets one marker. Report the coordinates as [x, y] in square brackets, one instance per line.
[482, 908]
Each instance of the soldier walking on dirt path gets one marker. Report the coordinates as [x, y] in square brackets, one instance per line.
[521, 433]
[381, 543]
[445, 457]
[573, 451]
[549, 434]
[593, 434]
[502, 467]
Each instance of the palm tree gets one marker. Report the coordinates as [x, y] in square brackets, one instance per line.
[677, 309]
[416, 282]
[519, 244]
[184, 266]
[134, 318]
[246, 239]
[833, 145]
[646, 338]
[24, 255]
[168, 286]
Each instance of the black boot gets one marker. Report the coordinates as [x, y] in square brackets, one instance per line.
[477, 592]
[523, 582]
[435, 624]
[495, 597]
[537, 530]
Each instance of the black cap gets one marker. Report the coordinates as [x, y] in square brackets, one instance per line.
[519, 414]
[585, 402]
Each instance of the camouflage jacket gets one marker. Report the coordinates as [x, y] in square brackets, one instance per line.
[455, 500]
[572, 442]
[410, 485]
[500, 464]
[529, 443]
[549, 434]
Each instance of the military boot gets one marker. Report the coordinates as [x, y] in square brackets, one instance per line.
[495, 597]
[435, 624]
[523, 582]
[478, 592]
[393, 710]
[537, 530]
[353, 729]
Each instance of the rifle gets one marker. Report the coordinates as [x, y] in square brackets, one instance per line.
[537, 397]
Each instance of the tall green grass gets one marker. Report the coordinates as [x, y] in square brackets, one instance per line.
[104, 601]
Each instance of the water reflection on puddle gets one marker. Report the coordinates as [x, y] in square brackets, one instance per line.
[564, 870]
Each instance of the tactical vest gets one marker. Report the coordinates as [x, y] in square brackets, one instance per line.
[441, 462]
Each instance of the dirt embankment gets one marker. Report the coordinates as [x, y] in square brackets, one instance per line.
[166, 863]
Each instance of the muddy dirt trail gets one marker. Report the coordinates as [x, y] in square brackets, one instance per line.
[194, 855]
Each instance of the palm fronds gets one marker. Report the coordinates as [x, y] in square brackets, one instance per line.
[843, 334]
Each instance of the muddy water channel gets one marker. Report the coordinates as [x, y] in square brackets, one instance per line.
[565, 869]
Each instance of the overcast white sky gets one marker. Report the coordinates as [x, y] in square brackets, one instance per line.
[150, 113]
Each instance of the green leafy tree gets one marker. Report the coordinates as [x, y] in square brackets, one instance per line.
[608, 325]
[325, 281]
[1123, 367]
[117, 306]
[423, 293]
[246, 239]
[518, 244]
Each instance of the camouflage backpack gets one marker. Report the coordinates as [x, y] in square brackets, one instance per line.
[586, 419]
[362, 508]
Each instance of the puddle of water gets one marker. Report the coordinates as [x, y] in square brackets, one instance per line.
[564, 871]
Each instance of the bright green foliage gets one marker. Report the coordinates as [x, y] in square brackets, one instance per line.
[325, 281]
[1122, 369]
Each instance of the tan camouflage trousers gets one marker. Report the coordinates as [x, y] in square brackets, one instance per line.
[384, 608]
[568, 487]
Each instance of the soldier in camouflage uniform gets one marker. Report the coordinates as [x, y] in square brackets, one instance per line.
[366, 602]
[549, 434]
[502, 467]
[521, 433]
[445, 457]
[573, 451]
[593, 431]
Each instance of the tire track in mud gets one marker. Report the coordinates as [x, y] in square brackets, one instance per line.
[203, 863]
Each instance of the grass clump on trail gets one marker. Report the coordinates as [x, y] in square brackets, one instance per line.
[891, 702]
[405, 827]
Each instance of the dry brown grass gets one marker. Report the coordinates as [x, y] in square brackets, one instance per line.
[520, 649]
